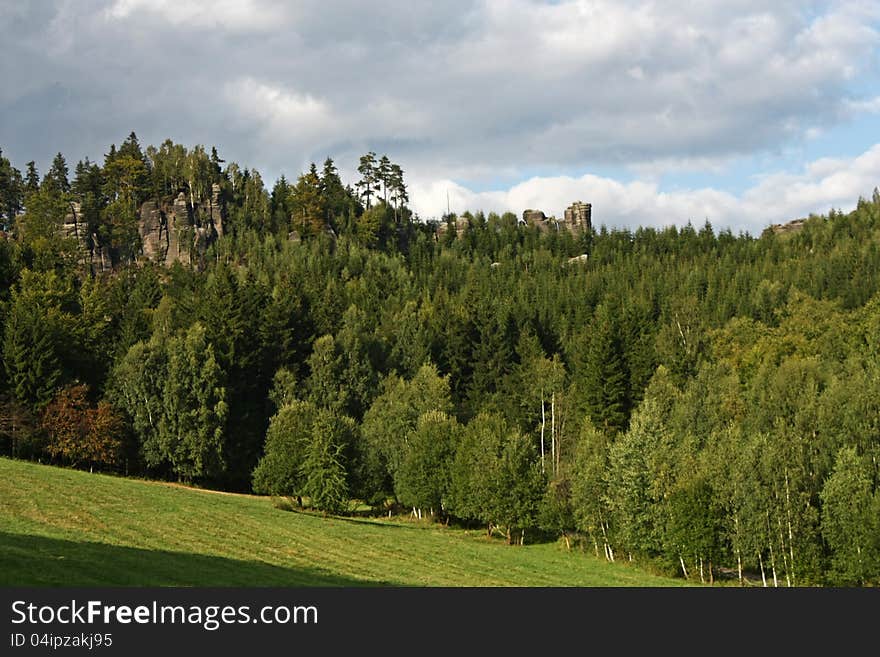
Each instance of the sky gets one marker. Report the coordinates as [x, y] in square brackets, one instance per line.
[740, 112]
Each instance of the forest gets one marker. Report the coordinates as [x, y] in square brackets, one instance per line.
[702, 401]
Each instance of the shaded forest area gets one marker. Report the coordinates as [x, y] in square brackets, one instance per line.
[703, 400]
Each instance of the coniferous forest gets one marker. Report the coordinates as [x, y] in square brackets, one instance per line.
[703, 401]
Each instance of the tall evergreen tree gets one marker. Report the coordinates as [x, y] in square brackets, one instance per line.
[604, 379]
[56, 179]
[32, 179]
[368, 184]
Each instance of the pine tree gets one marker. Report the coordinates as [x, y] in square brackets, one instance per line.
[383, 176]
[369, 177]
[399, 194]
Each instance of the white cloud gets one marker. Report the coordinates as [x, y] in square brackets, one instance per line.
[280, 112]
[232, 15]
[780, 197]
[866, 106]
[302, 124]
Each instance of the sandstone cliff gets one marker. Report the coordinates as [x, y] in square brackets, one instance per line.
[177, 231]
[170, 230]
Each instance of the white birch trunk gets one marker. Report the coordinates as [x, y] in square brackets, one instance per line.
[763, 575]
[609, 553]
[773, 566]
[784, 555]
[788, 518]
[683, 568]
[739, 563]
[543, 423]
[553, 429]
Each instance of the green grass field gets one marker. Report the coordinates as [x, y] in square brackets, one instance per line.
[62, 527]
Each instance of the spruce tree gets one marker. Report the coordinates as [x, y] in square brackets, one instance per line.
[324, 468]
[604, 379]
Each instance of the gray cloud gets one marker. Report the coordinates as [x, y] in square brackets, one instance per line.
[451, 90]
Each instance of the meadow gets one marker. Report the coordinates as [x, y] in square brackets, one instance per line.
[61, 527]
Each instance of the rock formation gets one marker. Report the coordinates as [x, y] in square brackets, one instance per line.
[536, 218]
[461, 225]
[790, 227]
[576, 219]
[578, 216]
[169, 230]
[153, 229]
[91, 253]
[216, 210]
[177, 232]
[75, 226]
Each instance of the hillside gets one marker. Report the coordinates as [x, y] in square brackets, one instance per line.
[62, 527]
[701, 400]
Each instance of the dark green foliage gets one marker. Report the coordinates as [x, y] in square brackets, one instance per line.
[172, 390]
[43, 244]
[589, 480]
[325, 466]
[851, 519]
[496, 476]
[556, 513]
[424, 477]
[604, 377]
[55, 181]
[38, 338]
[394, 415]
[11, 193]
[679, 394]
[280, 471]
[693, 529]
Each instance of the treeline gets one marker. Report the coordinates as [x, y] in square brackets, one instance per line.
[700, 399]
[108, 198]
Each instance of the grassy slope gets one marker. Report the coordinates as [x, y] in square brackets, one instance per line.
[66, 528]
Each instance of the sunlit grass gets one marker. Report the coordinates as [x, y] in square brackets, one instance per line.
[62, 527]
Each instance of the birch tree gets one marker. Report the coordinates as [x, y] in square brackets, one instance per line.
[851, 519]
